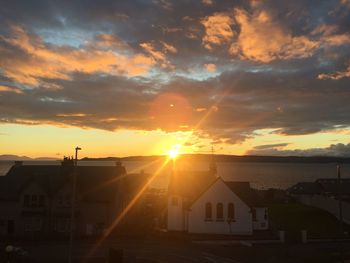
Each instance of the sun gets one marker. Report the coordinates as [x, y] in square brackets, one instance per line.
[173, 153]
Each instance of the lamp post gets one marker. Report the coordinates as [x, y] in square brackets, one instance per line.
[74, 188]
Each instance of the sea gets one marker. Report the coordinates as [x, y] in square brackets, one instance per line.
[261, 175]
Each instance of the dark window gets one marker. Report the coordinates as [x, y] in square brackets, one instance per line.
[219, 212]
[26, 200]
[231, 211]
[174, 201]
[208, 211]
[67, 200]
[265, 215]
[254, 214]
[60, 200]
[34, 200]
[41, 200]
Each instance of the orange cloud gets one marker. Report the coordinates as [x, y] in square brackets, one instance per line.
[49, 61]
[217, 30]
[337, 75]
[10, 89]
[159, 56]
[263, 39]
[210, 67]
[207, 2]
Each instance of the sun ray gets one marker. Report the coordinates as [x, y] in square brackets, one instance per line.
[127, 209]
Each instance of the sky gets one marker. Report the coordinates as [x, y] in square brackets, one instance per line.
[121, 78]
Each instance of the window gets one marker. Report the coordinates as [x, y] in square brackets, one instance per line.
[34, 200]
[26, 200]
[265, 215]
[67, 200]
[254, 214]
[174, 201]
[60, 200]
[62, 225]
[64, 200]
[230, 212]
[219, 212]
[32, 224]
[41, 200]
[208, 211]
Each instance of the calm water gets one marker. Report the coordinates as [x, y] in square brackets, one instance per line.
[260, 175]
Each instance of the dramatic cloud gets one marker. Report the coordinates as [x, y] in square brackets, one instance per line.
[224, 69]
[217, 30]
[262, 38]
[41, 61]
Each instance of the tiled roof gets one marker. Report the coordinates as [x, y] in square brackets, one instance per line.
[322, 186]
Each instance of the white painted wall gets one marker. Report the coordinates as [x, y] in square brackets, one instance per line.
[176, 219]
[220, 193]
[261, 223]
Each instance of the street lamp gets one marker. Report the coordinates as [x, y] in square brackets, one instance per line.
[74, 188]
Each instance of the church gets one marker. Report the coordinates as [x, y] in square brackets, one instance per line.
[201, 202]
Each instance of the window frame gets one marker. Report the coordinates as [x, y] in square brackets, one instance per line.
[231, 215]
[208, 211]
[219, 212]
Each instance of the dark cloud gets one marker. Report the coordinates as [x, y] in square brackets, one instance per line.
[270, 146]
[336, 150]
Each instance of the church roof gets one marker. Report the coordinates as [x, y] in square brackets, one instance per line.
[193, 184]
[245, 193]
[189, 184]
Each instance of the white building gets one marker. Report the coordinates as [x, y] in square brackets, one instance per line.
[201, 202]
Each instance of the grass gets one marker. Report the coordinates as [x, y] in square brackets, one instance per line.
[295, 217]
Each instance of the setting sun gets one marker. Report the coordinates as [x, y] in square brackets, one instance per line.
[173, 153]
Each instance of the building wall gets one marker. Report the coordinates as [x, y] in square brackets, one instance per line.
[10, 214]
[175, 215]
[261, 222]
[220, 193]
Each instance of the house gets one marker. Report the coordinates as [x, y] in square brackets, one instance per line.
[331, 187]
[35, 200]
[329, 194]
[203, 203]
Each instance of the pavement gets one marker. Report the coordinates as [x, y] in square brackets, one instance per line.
[156, 250]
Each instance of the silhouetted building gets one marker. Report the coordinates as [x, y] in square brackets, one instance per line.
[36, 199]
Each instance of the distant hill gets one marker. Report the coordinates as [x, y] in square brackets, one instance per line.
[232, 158]
[12, 157]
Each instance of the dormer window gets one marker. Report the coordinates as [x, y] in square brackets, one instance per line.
[33, 200]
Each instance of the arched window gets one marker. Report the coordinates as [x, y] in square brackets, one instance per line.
[230, 211]
[208, 211]
[219, 212]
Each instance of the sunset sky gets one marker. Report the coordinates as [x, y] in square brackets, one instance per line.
[121, 78]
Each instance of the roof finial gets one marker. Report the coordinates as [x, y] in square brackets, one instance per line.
[212, 167]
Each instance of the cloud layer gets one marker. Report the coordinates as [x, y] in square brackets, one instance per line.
[222, 69]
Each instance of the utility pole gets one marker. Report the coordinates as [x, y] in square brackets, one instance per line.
[74, 189]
